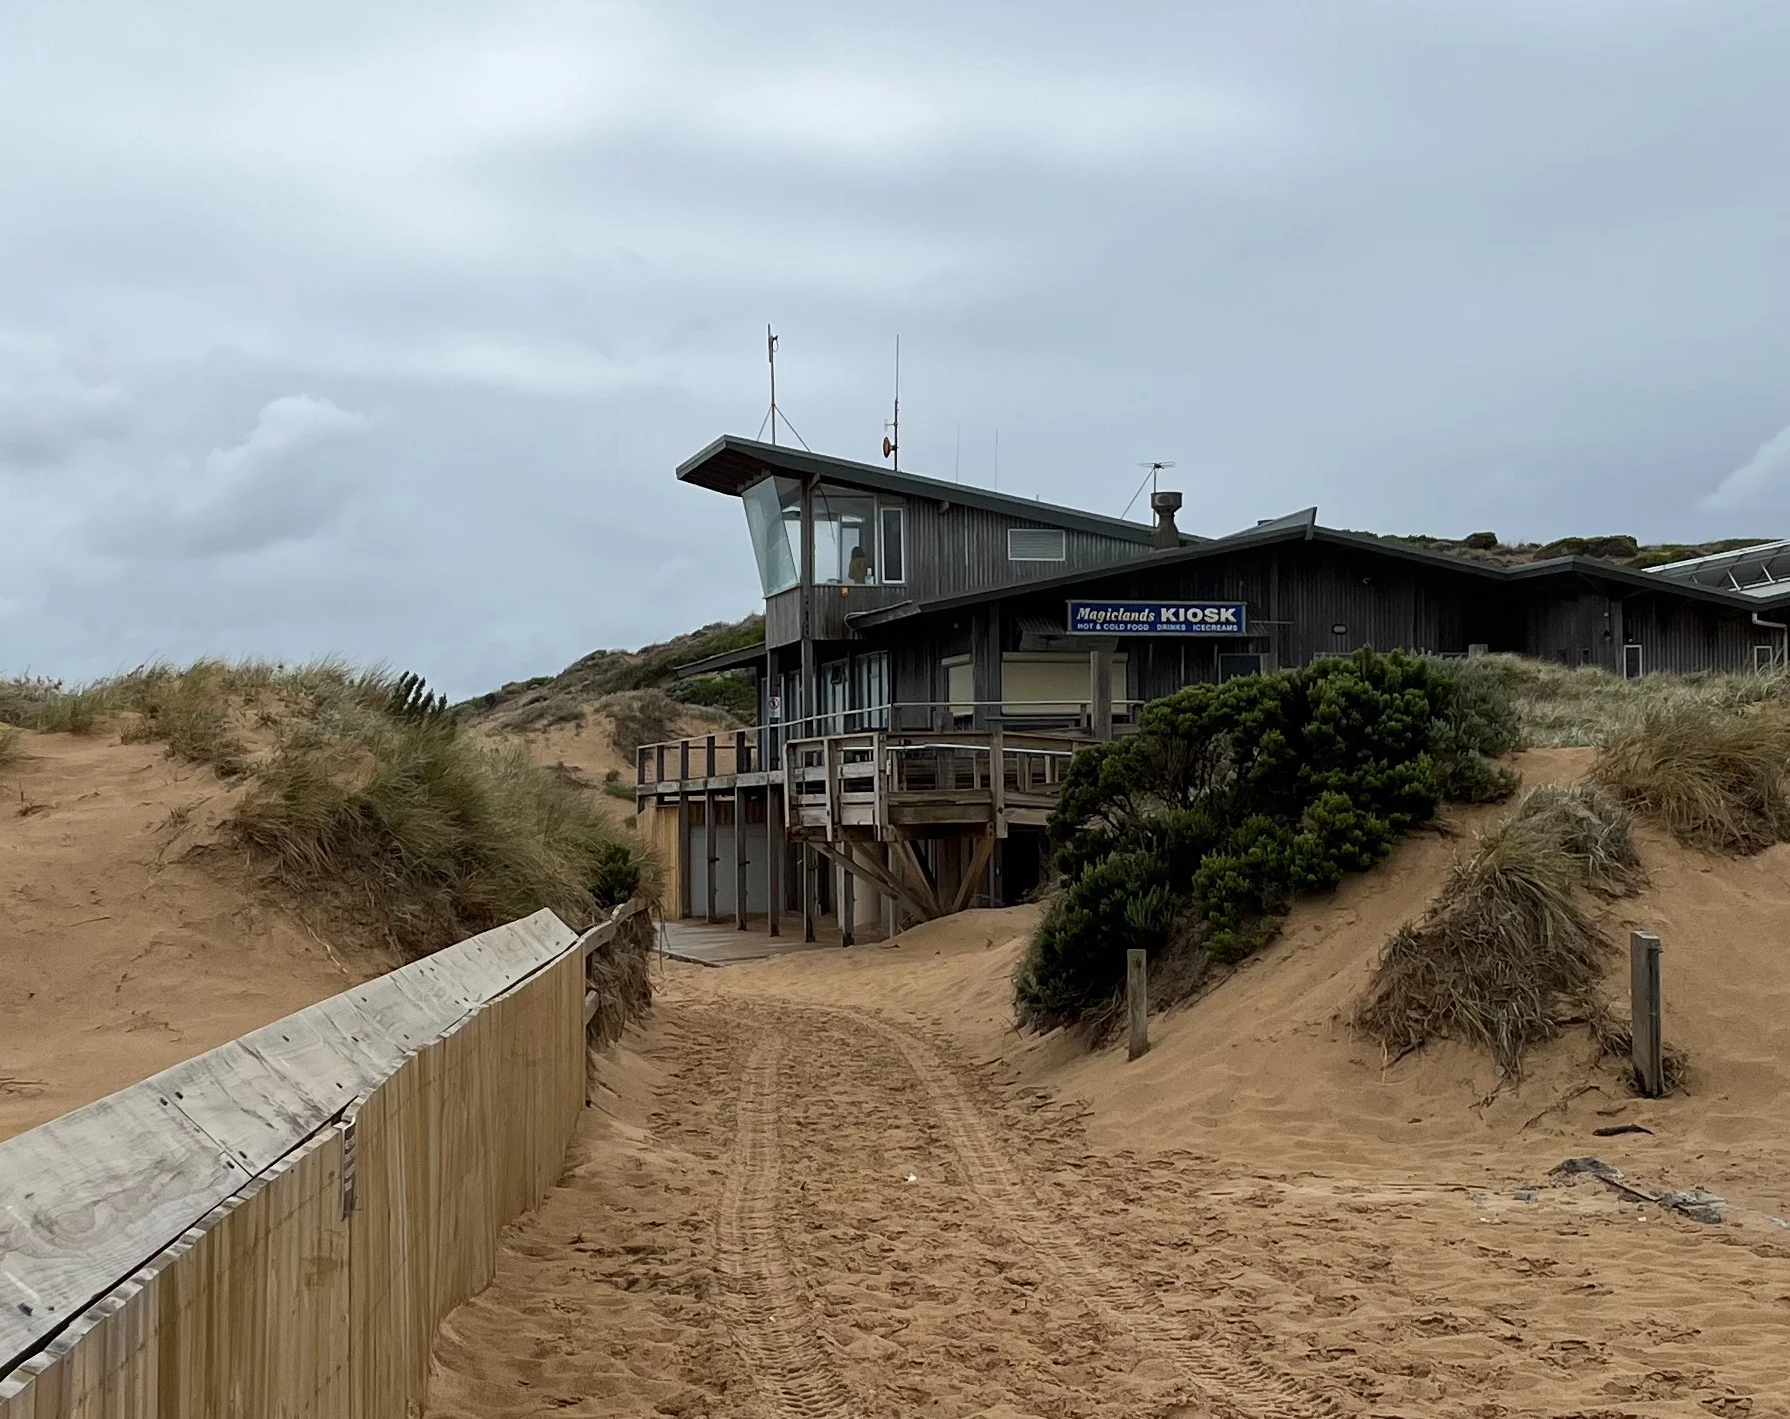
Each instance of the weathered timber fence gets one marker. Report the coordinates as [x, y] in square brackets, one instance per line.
[277, 1226]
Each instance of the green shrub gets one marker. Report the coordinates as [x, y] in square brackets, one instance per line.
[1234, 798]
[732, 693]
[615, 874]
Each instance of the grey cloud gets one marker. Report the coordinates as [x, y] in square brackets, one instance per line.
[1434, 268]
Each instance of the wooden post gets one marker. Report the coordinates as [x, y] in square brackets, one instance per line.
[683, 759]
[742, 753]
[807, 893]
[774, 883]
[685, 858]
[709, 759]
[829, 761]
[997, 782]
[848, 905]
[1100, 692]
[1136, 1001]
[709, 855]
[739, 856]
[1644, 1013]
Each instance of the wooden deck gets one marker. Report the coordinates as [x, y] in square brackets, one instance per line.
[883, 786]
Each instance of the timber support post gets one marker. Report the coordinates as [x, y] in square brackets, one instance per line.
[1137, 1006]
[774, 881]
[709, 856]
[1648, 1050]
[1100, 692]
[739, 855]
[808, 886]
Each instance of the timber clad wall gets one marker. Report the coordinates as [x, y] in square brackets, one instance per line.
[950, 551]
[276, 1302]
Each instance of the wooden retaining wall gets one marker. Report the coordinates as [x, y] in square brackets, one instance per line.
[276, 1227]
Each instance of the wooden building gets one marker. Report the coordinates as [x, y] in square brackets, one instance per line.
[928, 666]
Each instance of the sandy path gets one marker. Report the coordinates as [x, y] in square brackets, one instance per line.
[739, 1235]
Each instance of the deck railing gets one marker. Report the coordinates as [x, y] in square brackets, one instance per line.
[764, 747]
[869, 780]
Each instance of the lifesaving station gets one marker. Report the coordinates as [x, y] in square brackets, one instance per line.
[934, 653]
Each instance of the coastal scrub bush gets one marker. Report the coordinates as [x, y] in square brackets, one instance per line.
[1232, 799]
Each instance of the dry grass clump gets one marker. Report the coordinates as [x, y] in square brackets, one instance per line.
[32, 702]
[189, 709]
[12, 747]
[639, 717]
[620, 973]
[1574, 706]
[433, 835]
[1714, 778]
[1506, 953]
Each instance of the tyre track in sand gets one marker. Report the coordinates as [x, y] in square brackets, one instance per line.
[1235, 1383]
[771, 1323]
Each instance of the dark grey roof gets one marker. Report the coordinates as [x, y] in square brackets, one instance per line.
[1303, 527]
[731, 465]
[745, 656]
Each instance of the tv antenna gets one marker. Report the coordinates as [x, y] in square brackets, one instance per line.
[1152, 469]
[770, 419]
[892, 428]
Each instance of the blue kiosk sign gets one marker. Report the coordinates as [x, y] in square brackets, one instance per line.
[1158, 618]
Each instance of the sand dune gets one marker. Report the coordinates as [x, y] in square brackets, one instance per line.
[121, 952]
[839, 1183]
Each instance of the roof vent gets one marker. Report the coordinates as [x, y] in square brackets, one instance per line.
[1165, 504]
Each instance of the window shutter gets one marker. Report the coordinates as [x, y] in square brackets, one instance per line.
[1036, 544]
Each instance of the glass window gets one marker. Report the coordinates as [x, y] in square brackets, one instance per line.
[774, 517]
[844, 538]
[894, 558]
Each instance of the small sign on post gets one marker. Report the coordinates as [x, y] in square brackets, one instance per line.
[1644, 1013]
[1136, 1000]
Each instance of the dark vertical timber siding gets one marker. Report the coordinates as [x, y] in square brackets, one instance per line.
[954, 549]
[1687, 637]
[783, 618]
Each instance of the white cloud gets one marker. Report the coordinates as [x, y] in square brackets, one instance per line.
[284, 427]
[1753, 483]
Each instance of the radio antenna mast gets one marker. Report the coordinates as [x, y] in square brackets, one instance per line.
[892, 429]
[1153, 468]
[774, 414]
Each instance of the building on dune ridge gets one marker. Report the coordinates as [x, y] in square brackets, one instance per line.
[934, 652]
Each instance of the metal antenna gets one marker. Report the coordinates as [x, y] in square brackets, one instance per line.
[892, 429]
[770, 354]
[774, 413]
[1149, 477]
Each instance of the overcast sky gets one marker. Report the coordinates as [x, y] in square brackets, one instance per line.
[378, 328]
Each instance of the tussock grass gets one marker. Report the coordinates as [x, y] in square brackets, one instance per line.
[1714, 777]
[435, 836]
[1575, 706]
[1506, 953]
[621, 975]
[639, 717]
[31, 702]
[364, 796]
[12, 747]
